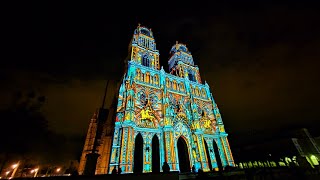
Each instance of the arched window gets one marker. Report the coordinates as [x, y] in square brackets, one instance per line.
[181, 87]
[167, 83]
[138, 75]
[197, 91]
[147, 77]
[174, 85]
[146, 60]
[191, 75]
[156, 79]
[203, 92]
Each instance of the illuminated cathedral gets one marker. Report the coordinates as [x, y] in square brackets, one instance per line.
[159, 117]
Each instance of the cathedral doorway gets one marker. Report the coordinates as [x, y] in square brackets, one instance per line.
[183, 155]
[208, 155]
[217, 154]
[155, 154]
[138, 154]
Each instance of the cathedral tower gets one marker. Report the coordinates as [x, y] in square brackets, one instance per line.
[181, 63]
[143, 48]
[165, 117]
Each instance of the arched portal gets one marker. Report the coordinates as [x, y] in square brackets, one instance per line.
[208, 155]
[155, 154]
[183, 155]
[217, 154]
[138, 154]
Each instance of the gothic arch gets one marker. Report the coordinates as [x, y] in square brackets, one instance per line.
[183, 154]
[138, 154]
[155, 146]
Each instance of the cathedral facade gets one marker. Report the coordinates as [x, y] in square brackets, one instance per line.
[163, 117]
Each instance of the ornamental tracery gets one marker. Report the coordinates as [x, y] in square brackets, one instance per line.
[170, 105]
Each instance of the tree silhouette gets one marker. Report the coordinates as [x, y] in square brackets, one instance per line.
[24, 126]
[24, 132]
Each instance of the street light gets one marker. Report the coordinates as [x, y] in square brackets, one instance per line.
[35, 171]
[7, 174]
[15, 167]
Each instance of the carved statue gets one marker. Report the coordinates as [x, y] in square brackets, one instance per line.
[147, 116]
[207, 124]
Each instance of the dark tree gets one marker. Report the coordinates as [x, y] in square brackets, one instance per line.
[24, 131]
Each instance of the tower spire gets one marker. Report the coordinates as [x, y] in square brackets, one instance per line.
[105, 94]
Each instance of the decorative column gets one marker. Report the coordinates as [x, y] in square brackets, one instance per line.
[202, 153]
[221, 152]
[196, 151]
[227, 151]
[162, 150]
[147, 153]
[211, 153]
[116, 146]
[170, 156]
[126, 154]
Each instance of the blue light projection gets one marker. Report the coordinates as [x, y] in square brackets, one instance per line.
[166, 105]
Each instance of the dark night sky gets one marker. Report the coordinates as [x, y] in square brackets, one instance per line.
[261, 60]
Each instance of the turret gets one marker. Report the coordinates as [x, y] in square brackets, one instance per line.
[181, 63]
[143, 48]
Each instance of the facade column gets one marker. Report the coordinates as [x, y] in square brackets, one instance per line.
[116, 146]
[147, 153]
[126, 154]
[221, 151]
[213, 158]
[170, 155]
[227, 151]
[161, 149]
[202, 153]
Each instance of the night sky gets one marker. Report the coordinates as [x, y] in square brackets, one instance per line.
[261, 60]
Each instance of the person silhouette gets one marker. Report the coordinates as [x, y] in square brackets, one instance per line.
[193, 169]
[114, 170]
[165, 167]
[119, 170]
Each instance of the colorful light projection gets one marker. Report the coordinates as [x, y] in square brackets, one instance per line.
[166, 106]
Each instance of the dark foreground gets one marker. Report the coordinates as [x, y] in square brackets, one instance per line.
[248, 174]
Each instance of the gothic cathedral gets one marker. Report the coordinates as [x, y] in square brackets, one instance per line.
[161, 117]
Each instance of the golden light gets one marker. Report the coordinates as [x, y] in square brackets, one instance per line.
[58, 170]
[7, 172]
[14, 166]
[32, 171]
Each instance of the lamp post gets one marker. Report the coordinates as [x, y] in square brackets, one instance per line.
[7, 174]
[15, 168]
[35, 171]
